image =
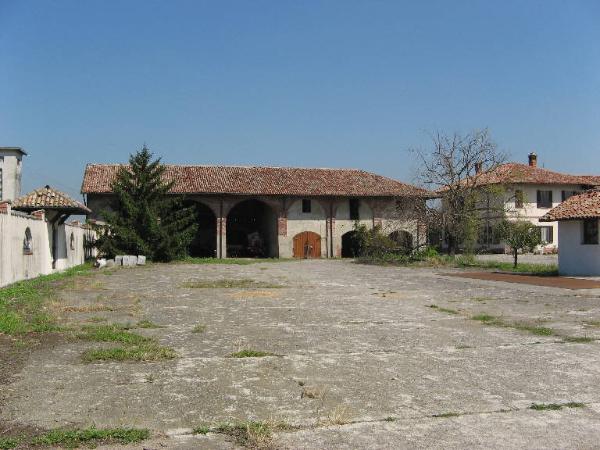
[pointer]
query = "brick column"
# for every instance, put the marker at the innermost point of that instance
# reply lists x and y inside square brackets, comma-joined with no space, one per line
[282,226]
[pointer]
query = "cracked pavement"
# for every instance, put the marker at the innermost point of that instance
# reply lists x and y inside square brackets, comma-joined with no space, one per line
[364,338]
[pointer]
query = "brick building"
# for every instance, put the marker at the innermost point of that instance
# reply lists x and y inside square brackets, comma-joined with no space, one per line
[279,212]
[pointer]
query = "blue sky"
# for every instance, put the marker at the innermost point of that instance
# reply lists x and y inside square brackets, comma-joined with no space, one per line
[295,83]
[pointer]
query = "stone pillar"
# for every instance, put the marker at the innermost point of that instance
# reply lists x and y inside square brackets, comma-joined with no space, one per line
[330,224]
[221,237]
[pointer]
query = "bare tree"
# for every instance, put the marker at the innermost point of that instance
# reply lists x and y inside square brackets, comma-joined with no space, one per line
[454,168]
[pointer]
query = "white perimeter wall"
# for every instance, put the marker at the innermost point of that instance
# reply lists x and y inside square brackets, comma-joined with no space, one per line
[575,258]
[16,265]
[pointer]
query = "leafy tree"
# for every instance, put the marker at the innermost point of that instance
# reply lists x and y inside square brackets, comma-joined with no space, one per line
[519,235]
[145,219]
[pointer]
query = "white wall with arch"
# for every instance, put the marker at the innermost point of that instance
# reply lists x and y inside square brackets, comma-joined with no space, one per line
[26,246]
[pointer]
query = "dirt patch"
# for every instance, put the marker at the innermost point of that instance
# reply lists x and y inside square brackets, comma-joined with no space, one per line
[559,282]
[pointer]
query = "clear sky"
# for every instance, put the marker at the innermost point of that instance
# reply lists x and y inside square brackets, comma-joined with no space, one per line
[295,83]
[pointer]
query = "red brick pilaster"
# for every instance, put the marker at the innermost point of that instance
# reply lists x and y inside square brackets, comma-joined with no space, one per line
[282,226]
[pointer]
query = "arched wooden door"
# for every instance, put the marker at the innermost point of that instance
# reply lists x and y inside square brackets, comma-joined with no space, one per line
[307,245]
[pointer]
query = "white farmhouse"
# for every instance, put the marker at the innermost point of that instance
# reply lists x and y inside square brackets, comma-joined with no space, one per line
[578,220]
[529,192]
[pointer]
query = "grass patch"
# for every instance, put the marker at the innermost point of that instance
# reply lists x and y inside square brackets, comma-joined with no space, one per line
[251,354]
[485,318]
[135,347]
[199,328]
[73,438]
[538,331]
[390,419]
[202,429]
[242,283]
[9,443]
[446,415]
[432,259]
[466,261]
[555,406]
[112,333]
[147,324]
[251,434]
[578,339]
[498,322]
[22,307]
[142,353]
[444,310]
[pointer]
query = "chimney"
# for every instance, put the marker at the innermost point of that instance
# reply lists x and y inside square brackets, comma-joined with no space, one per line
[532,159]
[478,167]
[10,171]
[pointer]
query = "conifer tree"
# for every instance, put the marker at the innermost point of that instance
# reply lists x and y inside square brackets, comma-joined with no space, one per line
[145,219]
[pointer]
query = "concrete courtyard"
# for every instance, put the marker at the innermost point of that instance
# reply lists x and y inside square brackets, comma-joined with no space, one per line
[362,357]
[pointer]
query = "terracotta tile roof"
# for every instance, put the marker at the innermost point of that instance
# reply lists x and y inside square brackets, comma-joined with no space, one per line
[582,206]
[48,198]
[262,181]
[516,173]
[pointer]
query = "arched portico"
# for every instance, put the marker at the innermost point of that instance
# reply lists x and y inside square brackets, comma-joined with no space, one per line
[252,230]
[204,243]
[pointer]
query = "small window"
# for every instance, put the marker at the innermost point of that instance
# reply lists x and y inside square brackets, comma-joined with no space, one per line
[567,194]
[72,242]
[28,243]
[544,199]
[519,198]
[590,231]
[306,206]
[354,209]
[547,234]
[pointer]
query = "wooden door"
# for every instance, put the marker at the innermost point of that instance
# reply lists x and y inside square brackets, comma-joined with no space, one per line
[307,245]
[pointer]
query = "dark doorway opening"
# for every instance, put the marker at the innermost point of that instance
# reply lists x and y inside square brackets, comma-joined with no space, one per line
[204,244]
[350,245]
[252,231]
[403,240]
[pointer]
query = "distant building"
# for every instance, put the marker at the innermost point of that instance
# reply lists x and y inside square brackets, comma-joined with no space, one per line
[529,192]
[10,172]
[578,223]
[280,212]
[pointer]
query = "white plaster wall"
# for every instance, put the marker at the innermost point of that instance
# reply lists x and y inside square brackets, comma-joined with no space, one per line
[67,256]
[298,222]
[575,258]
[344,224]
[15,265]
